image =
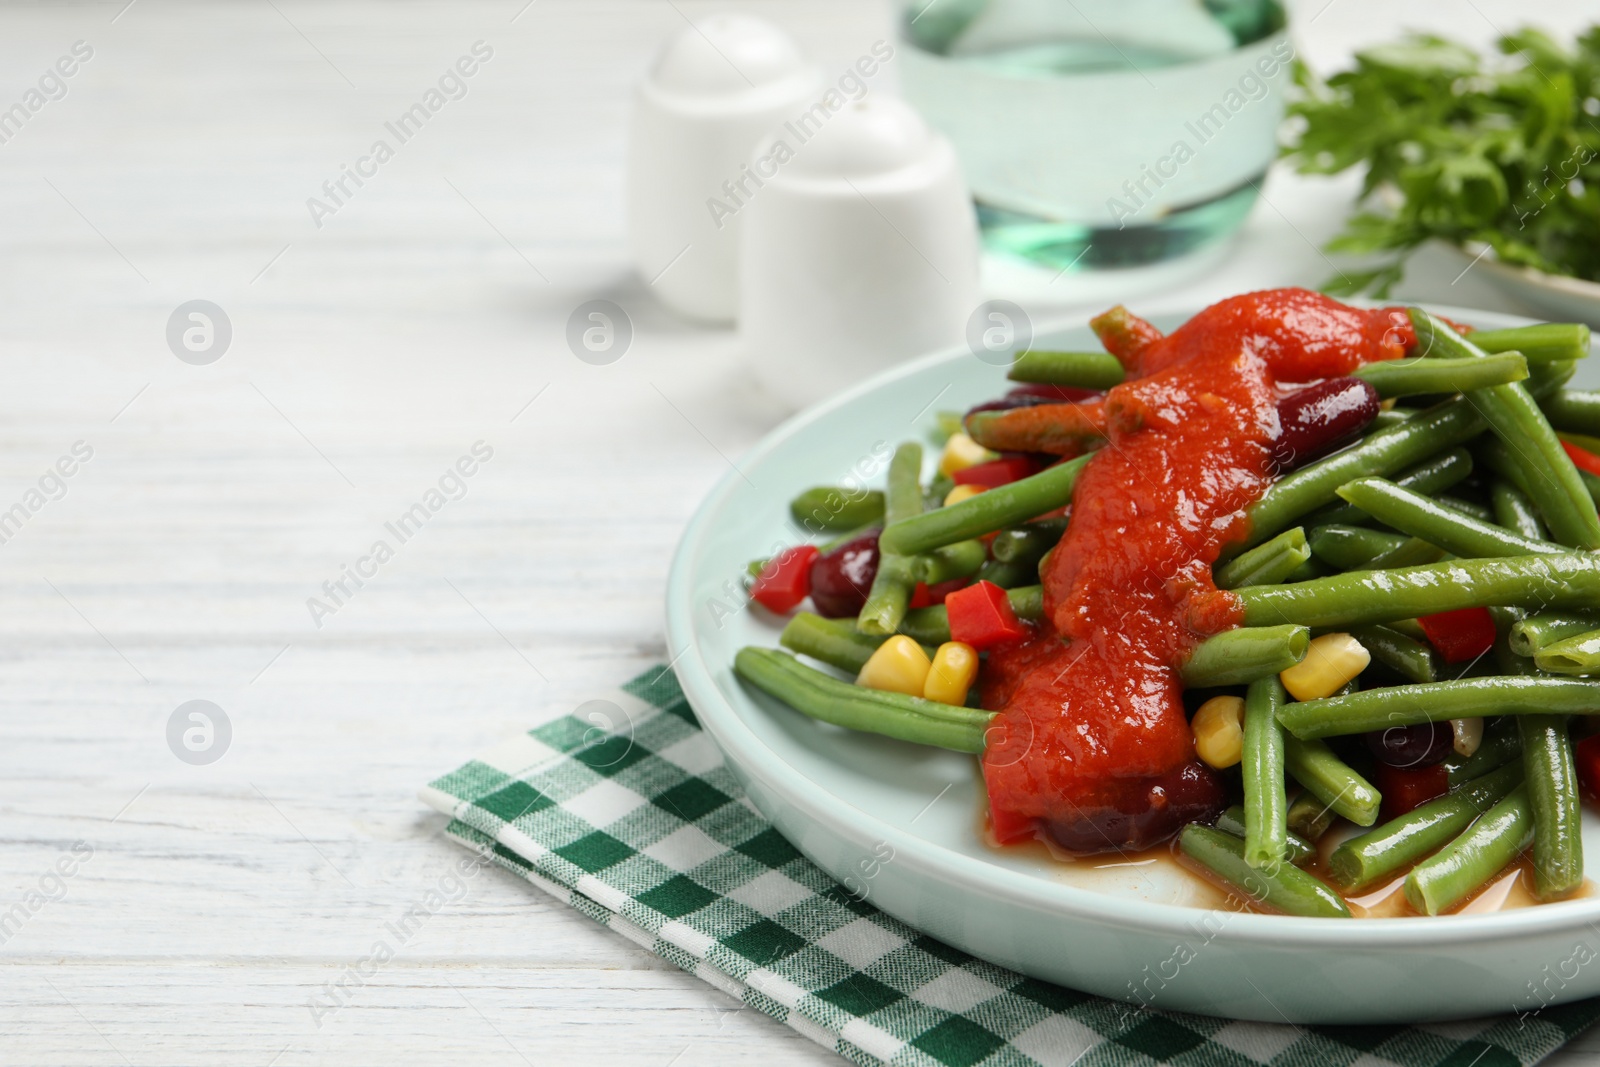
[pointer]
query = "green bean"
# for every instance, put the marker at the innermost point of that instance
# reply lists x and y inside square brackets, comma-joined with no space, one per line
[1310,817]
[996,509]
[1237,657]
[1029,542]
[1063,429]
[890,595]
[1007,575]
[1570,580]
[904,498]
[1412,552]
[1377,854]
[1481,852]
[931,626]
[1284,887]
[1501,744]
[1573,410]
[1429,478]
[1330,780]
[1412,660]
[1546,379]
[1470,508]
[835,642]
[1308,570]
[1463,698]
[1514,511]
[855,707]
[1552,784]
[1544,342]
[1044,563]
[1351,548]
[1297,850]
[1229,658]
[960,560]
[1552,481]
[1591,483]
[1267,563]
[1266,803]
[946,424]
[1450,530]
[891,587]
[1409,628]
[1086,370]
[827,508]
[1535,633]
[1392,417]
[1359,549]
[1574,655]
[1416,377]
[1443,426]
[1492,453]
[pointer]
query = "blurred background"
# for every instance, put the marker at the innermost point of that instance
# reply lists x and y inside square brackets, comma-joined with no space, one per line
[253,374]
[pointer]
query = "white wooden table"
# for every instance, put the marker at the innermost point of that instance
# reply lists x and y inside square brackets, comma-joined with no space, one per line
[426,314]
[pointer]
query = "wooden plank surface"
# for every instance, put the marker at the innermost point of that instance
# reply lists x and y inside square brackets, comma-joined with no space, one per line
[368,355]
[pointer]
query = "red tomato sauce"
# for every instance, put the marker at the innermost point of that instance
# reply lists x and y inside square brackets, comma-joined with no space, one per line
[1091,745]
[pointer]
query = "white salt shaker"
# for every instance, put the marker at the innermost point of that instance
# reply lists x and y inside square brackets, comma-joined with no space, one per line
[861,249]
[716,88]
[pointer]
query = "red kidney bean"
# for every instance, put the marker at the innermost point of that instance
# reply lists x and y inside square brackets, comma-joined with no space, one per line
[1026,396]
[1421,745]
[1319,418]
[841,579]
[1149,813]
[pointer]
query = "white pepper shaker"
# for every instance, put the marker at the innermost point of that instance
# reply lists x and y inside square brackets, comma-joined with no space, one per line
[716,88]
[860,251]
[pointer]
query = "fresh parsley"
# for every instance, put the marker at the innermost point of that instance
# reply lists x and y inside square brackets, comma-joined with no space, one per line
[1464,148]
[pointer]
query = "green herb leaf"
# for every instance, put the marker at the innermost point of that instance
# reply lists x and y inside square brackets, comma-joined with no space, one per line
[1502,150]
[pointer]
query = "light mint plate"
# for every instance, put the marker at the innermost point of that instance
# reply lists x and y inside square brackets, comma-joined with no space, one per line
[901,824]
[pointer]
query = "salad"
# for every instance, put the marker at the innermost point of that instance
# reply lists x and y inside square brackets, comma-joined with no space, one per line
[1307,590]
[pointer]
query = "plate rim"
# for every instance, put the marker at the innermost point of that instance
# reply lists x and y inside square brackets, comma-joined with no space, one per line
[723,721]
[1569,284]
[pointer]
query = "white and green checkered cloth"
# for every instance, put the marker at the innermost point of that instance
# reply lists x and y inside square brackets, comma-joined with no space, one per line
[640,826]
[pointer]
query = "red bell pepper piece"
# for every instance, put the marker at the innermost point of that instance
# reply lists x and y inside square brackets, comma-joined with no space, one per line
[785,580]
[924,595]
[981,616]
[996,472]
[1460,635]
[1405,789]
[1587,756]
[1582,458]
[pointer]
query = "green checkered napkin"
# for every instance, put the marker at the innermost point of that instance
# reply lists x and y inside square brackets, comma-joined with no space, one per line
[640,826]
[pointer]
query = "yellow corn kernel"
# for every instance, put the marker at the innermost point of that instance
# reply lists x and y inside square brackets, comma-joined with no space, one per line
[960,493]
[961,452]
[898,666]
[955,668]
[1219,731]
[1330,663]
